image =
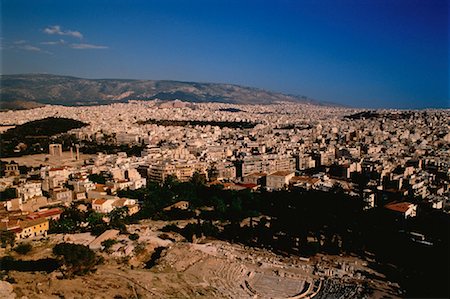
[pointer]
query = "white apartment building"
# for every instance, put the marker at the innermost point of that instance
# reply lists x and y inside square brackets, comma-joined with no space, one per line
[29,189]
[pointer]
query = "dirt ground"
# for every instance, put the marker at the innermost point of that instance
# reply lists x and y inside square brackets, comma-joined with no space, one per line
[213,269]
[44,159]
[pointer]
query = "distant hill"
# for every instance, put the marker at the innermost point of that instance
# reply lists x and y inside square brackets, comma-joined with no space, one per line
[65,90]
[19,105]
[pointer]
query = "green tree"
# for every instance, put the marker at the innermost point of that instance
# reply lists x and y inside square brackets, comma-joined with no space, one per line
[7,238]
[96,225]
[94,218]
[8,194]
[78,259]
[118,218]
[70,221]
[235,210]
[198,179]
[97,178]
[170,182]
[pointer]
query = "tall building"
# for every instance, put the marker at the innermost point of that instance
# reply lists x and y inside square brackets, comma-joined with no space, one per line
[267,163]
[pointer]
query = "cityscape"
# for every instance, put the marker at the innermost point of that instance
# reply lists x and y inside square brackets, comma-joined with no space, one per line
[177,188]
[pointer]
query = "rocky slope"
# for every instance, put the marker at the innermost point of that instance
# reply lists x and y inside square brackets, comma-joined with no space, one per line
[64,90]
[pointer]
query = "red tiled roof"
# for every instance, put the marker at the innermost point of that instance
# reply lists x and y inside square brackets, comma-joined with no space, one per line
[16,230]
[99,201]
[401,207]
[228,184]
[32,222]
[248,186]
[119,203]
[281,173]
[44,214]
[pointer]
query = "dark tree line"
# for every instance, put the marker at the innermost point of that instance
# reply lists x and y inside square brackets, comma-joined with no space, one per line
[34,137]
[73,220]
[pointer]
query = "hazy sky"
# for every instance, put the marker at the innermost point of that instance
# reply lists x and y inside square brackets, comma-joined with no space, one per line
[363,53]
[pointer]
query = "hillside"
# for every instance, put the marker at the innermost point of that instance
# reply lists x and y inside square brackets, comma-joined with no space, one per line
[64,90]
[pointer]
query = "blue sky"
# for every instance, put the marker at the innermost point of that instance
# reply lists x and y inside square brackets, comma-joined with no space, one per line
[362,53]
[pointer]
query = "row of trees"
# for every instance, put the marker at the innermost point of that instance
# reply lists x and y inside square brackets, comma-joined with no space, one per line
[74,220]
[226,205]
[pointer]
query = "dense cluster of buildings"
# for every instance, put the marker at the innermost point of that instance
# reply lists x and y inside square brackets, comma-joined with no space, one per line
[42,193]
[390,158]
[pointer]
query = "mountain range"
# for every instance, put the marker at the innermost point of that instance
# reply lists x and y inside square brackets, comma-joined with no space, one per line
[26,91]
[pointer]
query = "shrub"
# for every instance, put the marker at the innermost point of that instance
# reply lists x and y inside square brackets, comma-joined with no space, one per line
[133,237]
[170,228]
[23,248]
[140,248]
[107,244]
[48,265]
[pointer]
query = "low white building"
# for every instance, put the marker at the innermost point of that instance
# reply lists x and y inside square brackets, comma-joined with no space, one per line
[62,194]
[279,180]
[139,183]
[106,205]
[102,205]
